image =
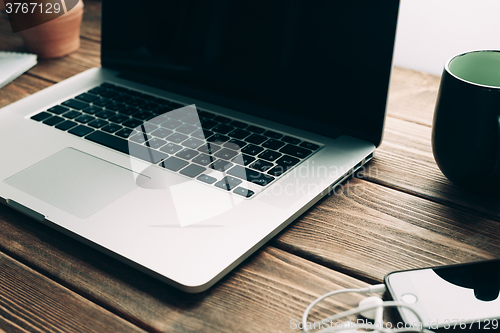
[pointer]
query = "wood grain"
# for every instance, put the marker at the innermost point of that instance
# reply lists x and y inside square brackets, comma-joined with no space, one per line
[367,231]
[30,302]
[405,162]
[262,295]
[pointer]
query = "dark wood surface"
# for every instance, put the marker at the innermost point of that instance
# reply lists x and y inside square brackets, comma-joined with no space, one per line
[400,213]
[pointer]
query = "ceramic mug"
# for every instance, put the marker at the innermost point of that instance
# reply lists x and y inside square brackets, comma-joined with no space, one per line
[466,128]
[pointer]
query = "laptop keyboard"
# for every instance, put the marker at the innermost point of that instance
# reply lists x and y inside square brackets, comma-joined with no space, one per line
[179,138]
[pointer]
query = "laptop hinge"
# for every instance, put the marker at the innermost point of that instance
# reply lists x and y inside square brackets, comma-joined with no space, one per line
[25,210]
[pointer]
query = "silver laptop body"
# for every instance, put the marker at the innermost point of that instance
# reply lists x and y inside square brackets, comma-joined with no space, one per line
[174,227]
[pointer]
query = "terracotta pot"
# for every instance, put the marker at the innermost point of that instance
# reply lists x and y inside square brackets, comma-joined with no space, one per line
[55,38]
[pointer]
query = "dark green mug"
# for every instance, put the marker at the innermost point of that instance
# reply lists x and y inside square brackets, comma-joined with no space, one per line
[466,128]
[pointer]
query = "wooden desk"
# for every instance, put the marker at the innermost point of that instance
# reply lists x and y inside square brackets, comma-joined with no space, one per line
[401,214]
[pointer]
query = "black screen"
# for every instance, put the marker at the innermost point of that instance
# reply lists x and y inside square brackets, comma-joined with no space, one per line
[314,64]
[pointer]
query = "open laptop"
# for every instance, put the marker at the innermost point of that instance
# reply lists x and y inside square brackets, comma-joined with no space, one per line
[209,128]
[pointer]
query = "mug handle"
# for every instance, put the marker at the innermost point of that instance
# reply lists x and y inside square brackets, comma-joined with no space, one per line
[496,170]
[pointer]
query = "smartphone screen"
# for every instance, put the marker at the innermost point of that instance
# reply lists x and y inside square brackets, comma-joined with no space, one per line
[447,295]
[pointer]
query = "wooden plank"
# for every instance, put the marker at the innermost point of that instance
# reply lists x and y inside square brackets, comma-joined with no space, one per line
[367,231]
[30,302]
[404,161]
[91,28]
[262,295]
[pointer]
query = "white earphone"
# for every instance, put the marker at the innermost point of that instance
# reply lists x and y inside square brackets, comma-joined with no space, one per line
[370,308]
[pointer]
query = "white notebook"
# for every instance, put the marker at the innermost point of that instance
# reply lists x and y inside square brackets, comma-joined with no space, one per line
[13,64]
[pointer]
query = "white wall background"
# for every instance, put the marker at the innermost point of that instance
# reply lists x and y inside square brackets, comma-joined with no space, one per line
[432,31]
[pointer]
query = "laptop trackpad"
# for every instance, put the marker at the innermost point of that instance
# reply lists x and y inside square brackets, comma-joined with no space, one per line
[76,182]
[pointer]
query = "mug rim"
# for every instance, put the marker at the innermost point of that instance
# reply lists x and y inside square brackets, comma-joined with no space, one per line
[447,68]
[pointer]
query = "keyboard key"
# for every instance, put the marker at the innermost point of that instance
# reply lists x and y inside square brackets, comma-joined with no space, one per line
[208,124]
[173,163]
[73,103]
[226,154]
[119,118]
[58,109]
[255,129]
[105,114]
[256,139]
[109,94]
[116,106]
[170,148]
[277,170]
[289,139]
[235,144]
[87,97]
[155,143]
[131,123]
[53,120]
[270,155]
[221,165]
[250,175]
[295,151]
[209,148]
[111,128]
[187,153]
[72,114]
[252,150]
[239,134]
[192,170]
[203,159]
[309,145]
[66,125]
[238,124]
[143,115]
[202,134]
[92,109]
[223,129]
[84,119]
[128,111]
[273,135]
[147,128]
[193,143]
[207,179]
[287,161]
[158,120]
[218,138]
[243,159]
[109,141]
[186,129]
[261,165]
[243,192]
[125,132]
[273,144]
[177,137]
[98,123]
[80,130]
[41,116]
[103,102]
[192,119]
[228,183]
[97,90]
[171,124]
[161,132]
[140,138]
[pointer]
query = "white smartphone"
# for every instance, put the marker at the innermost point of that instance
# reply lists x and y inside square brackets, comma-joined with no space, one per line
[463,296]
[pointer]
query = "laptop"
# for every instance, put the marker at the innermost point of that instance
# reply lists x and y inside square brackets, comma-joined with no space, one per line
[210,127]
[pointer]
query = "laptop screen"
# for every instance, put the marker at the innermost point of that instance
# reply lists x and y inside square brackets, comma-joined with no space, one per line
[319,65]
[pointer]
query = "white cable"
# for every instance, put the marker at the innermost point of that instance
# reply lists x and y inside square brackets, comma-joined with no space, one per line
[371,289]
